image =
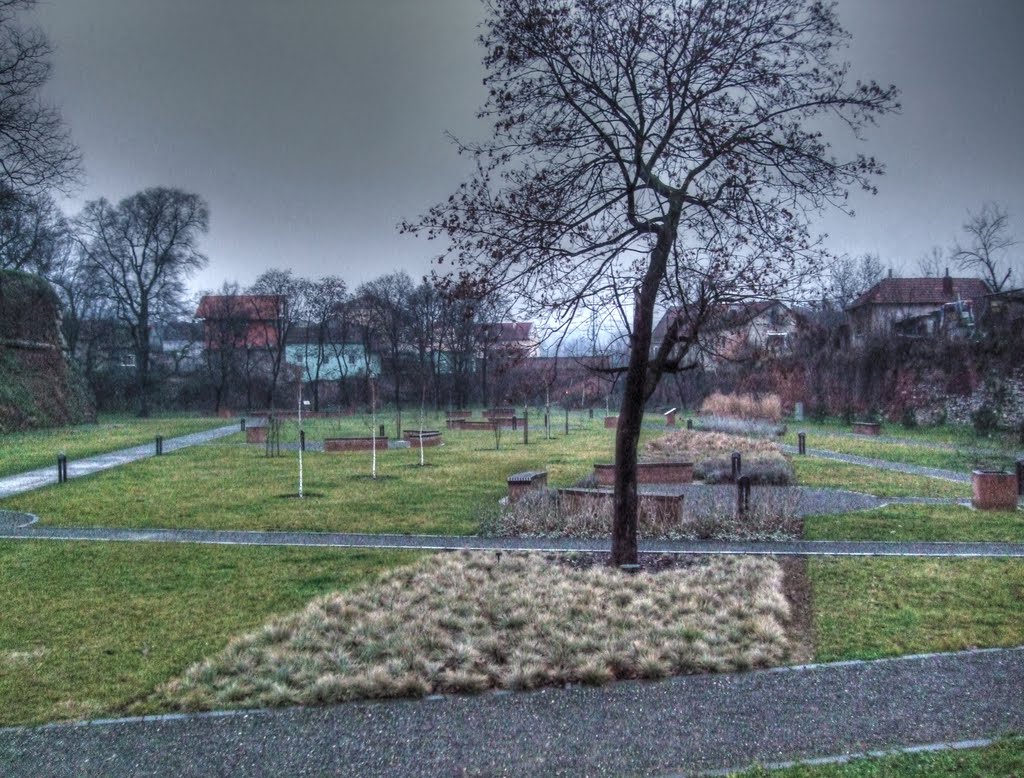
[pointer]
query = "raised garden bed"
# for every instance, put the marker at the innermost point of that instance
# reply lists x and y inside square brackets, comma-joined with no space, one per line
[503,412]
[255,434]
[573,500]
[520,484]
[649,473]
[611,422]
[490,424]
[994,490]
[354,444]
[867,428]
[424,437]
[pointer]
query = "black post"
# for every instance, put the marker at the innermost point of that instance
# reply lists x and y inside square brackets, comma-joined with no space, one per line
[526,427]
[566,421]
[243,424]
[302,440]
[514,422]
[801,442]
[689,424]
[381,433]
[735,465]
[62,468]
[1020,477]
[743,495]
[159,445]
[591,412]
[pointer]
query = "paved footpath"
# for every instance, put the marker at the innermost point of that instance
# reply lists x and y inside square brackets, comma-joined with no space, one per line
[44,476]
[13,526]
[883,464]
[681,726]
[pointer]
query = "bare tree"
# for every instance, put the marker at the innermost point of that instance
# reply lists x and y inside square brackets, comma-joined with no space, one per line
[933,264]
[226,321]
[324,302]
[141,251]
[987,240]
[650,152]
[849,278]
[34,234]
[385,307]
[36,152]
[288,294]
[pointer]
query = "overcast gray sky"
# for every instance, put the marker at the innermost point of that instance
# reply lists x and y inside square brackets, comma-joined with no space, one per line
[313,126]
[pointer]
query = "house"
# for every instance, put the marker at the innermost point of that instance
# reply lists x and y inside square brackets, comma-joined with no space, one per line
[738,331]
[894,300]
[511,340]
[243,320]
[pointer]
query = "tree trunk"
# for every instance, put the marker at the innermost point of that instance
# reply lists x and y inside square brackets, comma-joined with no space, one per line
[634,398]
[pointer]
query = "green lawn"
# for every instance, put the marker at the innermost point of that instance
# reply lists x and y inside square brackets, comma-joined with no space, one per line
[919,522]
[959,456]
[876,607]
[813,471]
[21,451]
[229,485]
[89,628]
[1002,759]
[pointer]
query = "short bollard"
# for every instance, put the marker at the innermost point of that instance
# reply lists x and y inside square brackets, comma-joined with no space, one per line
[689,424]
[159,445]
[566,421]
[381,433]
[736,465]
[243,424]
[62,468]
[801,442]
[590,413]
[1020,477]
[526,427]
[743,495]
[514,423]
[302,440]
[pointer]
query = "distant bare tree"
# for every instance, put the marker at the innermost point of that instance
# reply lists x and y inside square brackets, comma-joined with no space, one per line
[385,307]
[988,239]
[224,339]
[934,263]
[849,278]
[290,291]
[34,234]
[36,151]
[324,302]
[142,250]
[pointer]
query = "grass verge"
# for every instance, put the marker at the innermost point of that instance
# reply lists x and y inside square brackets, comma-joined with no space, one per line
[876,607]
[468,622]
[90,627]
[813,471]
[22,451]
[1004,758]
[919,522]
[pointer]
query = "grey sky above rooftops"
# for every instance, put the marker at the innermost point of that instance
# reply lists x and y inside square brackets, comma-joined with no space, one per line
[312,127]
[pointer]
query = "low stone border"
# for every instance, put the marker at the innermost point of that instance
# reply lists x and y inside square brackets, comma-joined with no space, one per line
[426,438]
[651,504]
[519,484]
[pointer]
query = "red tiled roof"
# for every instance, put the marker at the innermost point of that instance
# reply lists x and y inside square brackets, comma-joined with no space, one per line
[921,291]
[255,307]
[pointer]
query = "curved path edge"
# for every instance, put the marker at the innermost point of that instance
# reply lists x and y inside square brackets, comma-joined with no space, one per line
[685,725]
[547,545]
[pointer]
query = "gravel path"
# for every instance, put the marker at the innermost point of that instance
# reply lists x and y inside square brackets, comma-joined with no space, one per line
[555,545]
[44,476]
[683,725]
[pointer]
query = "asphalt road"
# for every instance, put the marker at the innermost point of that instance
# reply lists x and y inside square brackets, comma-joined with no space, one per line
[682,726]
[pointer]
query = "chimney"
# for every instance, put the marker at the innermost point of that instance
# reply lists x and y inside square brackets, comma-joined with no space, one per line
[947,284]
[890,272]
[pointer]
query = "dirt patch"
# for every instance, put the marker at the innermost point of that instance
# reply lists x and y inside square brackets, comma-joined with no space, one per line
[796,586]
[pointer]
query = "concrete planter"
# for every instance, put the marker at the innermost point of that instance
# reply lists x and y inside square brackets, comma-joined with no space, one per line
[994,490]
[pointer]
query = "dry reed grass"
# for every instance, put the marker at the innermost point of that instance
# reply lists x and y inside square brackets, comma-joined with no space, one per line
[743,406]
[695,446]
[469,622]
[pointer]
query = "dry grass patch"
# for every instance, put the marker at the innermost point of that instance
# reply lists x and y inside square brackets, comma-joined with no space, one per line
[469,622]
[708,513]
[743,406]
[693,445]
